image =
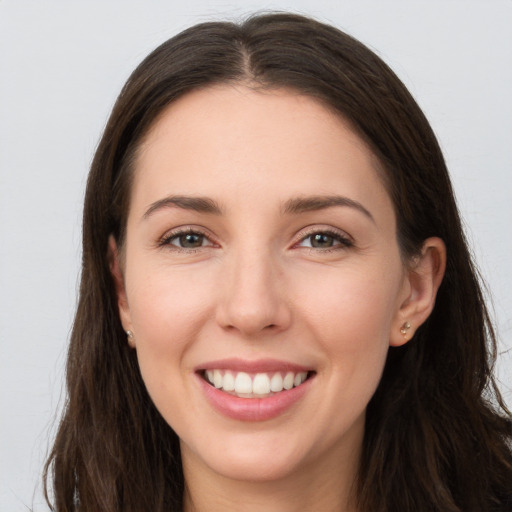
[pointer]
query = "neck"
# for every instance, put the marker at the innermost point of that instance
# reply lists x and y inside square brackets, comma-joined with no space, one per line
[326,485]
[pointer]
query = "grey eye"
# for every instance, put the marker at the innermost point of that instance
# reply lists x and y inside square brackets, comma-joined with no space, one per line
[321,240]
[189,240]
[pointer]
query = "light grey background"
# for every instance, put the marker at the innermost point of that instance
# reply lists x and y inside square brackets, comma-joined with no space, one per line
[61,66]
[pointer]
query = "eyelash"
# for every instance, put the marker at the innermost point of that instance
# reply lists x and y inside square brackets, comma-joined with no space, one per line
[344,241]
[167,239]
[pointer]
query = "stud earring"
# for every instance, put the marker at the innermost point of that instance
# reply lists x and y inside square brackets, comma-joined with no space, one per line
[129,335]
[405,328]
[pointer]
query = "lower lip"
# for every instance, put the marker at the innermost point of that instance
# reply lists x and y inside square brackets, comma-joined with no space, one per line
[253,409]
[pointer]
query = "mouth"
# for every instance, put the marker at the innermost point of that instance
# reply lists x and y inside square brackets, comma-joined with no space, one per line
[254,385]
[260,390]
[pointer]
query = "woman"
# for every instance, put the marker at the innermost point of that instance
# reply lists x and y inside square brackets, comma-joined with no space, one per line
[278,310]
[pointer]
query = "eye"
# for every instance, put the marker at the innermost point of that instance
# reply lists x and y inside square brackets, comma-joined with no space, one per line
[325,240]
[186,240]
[189,240]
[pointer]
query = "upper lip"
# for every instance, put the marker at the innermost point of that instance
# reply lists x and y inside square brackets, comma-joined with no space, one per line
[252,366]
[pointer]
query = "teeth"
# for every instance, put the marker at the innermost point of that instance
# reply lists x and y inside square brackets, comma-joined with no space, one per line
[261,384]
[243,383]
[217,379]
[276,383]
[229,382]
[288,380]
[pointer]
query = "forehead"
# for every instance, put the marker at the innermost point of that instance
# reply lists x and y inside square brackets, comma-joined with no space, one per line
[228,137]
[238,111]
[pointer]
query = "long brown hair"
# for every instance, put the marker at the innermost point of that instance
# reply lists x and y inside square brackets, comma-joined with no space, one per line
[437,435]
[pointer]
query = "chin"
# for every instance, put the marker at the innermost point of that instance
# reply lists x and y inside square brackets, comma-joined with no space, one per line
[255,470]
[253,459]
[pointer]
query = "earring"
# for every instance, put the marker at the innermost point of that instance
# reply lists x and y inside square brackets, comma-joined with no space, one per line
[129,335]
[405,328]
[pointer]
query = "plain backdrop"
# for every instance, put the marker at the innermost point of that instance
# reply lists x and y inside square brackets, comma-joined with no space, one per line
[62,64]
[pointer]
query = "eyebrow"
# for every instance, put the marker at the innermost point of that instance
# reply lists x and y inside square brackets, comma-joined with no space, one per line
[313,203]
[197,204]
[292,206]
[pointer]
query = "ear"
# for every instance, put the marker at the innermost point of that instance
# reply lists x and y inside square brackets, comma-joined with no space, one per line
[117,275]
[423,278]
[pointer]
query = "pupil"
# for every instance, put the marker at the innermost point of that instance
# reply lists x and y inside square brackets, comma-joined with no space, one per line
[321,240]
[190,240]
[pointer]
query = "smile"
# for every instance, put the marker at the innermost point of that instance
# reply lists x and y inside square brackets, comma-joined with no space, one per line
[254,390]
[255,385]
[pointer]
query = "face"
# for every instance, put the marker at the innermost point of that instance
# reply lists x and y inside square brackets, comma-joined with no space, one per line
[262,280]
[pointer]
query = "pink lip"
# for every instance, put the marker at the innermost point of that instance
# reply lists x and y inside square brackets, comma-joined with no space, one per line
[252,409]
[260,365]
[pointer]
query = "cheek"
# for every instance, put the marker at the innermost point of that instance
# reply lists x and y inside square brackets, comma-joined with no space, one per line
[164,303]
[167,314]
[167,309]
[358,341]
[355,307]
[350,317]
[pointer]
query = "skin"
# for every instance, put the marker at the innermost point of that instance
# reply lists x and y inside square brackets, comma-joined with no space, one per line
[254,287]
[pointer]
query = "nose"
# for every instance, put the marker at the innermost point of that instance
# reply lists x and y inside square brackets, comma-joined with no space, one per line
[253,295]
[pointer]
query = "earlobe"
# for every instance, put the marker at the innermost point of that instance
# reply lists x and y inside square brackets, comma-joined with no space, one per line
[424,277]
[117,275]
